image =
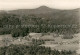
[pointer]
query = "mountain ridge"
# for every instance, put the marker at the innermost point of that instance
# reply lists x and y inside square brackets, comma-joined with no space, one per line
[60,16]
[38,10]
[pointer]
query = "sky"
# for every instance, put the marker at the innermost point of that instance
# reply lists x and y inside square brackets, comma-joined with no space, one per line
[30,4]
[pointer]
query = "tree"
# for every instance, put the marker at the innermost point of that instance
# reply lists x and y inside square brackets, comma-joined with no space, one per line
[24,32]
[15,33]
[20,32]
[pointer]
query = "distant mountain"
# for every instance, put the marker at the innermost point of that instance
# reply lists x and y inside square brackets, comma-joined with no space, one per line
[40,10]
[58,16]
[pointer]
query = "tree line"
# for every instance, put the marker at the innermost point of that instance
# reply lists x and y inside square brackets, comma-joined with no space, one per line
[37,25]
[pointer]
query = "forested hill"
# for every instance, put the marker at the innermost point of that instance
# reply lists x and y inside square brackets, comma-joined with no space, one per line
[63,16]
[41,16]
[57,16]
[39,10]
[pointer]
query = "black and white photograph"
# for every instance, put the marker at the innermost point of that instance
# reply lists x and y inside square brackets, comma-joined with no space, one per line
[39,27]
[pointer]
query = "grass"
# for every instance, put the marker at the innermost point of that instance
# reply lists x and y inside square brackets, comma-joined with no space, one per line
[72,46]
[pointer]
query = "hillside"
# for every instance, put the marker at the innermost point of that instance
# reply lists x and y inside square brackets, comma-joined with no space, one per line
[39,10]
[58,16]
[42,15]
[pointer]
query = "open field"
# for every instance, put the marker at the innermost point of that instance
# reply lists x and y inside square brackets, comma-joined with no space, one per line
[68,44]
[58,43]
[71,47]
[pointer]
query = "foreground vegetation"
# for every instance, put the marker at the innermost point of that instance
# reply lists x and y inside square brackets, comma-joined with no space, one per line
[31,50]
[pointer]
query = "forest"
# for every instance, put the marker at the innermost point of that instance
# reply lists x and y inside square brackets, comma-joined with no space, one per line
[12,22]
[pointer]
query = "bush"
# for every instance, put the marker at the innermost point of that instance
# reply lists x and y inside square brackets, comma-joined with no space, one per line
[20,32]
[67,37]
[4,31]
[24,32]
[15,33]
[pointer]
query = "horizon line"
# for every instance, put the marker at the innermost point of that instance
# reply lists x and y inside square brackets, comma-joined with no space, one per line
[37,8]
